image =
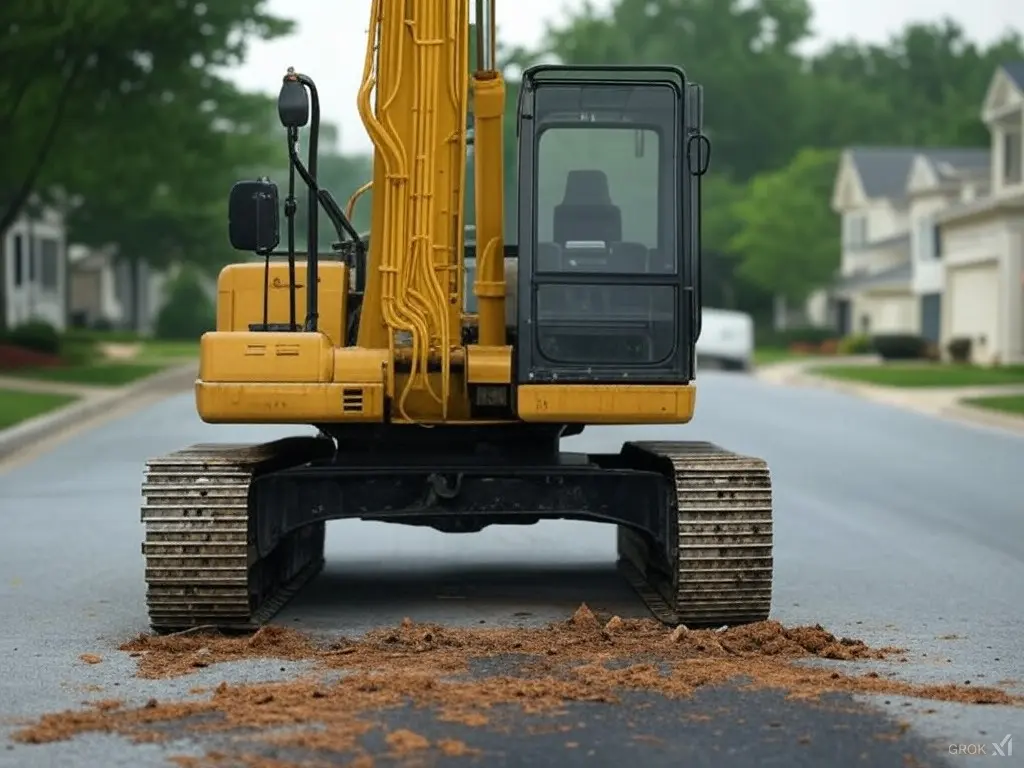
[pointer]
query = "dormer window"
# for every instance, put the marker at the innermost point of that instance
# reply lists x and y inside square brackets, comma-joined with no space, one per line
[1013,148]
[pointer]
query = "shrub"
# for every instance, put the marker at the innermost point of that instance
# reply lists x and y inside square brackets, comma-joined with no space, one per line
[188,312]
[899,346]
[829,347]
[857,344]
[35,335]
[94,334]
[959,349]
[803,348]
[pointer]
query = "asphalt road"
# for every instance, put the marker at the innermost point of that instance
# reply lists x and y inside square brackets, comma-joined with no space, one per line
[891,527]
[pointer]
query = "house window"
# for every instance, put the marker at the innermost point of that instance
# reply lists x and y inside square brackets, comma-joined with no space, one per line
[1012,149]
[856,234]
[19,261]
[936,242]
[49,263]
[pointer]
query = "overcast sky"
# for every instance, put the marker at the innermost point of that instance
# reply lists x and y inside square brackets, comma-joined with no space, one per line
[330,42]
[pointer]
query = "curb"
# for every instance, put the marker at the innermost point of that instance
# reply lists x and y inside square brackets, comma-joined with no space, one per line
[963,414]
[32,431]
[1005,421]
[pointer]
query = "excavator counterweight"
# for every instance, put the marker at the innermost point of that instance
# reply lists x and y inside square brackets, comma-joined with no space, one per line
[442,363]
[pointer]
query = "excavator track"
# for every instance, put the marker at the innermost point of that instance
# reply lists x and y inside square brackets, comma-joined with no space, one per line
[201,563]
[719,570]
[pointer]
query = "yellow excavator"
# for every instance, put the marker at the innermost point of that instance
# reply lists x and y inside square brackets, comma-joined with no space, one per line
[439,366]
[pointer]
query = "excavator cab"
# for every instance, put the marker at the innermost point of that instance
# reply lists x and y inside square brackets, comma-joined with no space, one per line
[610,161]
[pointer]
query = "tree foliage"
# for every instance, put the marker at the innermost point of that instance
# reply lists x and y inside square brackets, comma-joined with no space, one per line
[776,118]
[123,115]
[785,234]
[123,118]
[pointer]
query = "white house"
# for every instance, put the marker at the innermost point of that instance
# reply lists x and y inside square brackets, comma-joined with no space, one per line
[111,292]
[981,239]
[36,270]
[64,285]
[891,279]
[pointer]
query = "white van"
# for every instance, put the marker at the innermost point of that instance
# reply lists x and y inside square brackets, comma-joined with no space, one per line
[726,339]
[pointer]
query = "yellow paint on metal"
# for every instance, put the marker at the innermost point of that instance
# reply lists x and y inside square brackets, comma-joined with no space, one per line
[413,103]
[252,357]
[240,296]
[488,365]
[489,183]
[280,403]
[606,404]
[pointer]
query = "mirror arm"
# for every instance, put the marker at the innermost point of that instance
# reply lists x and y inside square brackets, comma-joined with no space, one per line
[291,111]
[341,223]
[290,208]
[313,238]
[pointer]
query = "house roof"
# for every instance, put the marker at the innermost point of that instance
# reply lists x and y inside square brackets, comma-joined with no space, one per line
[982,205]
[953,163]
[1015,71]
[897,277]
[887,242]
[883,171]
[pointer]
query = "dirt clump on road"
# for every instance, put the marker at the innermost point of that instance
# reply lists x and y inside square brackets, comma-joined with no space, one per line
[539,671]
[176,655]
[418,646]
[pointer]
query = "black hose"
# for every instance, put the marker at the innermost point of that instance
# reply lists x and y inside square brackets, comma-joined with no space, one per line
[289,212]
[312,273]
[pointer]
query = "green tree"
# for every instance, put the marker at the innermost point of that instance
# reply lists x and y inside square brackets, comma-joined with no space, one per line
[788,237]
[718,227]
[766,104]
[922,88]
[120,117]
[744,53]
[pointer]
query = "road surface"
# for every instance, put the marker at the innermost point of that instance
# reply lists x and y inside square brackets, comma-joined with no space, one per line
[891,527]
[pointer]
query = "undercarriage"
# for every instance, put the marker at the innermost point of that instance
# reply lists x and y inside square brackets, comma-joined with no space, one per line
[233,531]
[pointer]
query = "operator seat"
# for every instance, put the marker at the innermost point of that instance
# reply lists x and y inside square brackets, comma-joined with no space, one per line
[586,211]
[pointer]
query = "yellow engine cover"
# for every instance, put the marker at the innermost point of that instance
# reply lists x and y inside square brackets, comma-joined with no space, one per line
[240,296]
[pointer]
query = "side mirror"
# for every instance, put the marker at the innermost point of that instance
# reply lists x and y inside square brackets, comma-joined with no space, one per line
[293,103]
[253,212]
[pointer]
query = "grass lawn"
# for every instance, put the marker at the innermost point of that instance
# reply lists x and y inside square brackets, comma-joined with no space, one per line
[89,341]
[769,355]
[93,373]
[1003,403]
[85,362]
[16,407]
[170,350]
[925,375]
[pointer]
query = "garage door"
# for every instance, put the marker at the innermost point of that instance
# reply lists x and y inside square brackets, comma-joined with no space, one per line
[974,305]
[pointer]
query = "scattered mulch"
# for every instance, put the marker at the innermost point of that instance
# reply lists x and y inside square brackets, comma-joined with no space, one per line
[90,658]
[425,665]
[404,742]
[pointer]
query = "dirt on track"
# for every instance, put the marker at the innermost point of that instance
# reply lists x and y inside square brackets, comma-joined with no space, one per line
[582,659]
